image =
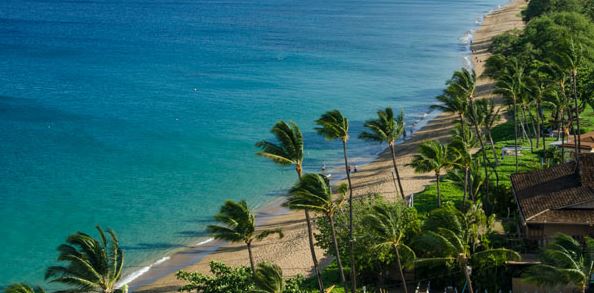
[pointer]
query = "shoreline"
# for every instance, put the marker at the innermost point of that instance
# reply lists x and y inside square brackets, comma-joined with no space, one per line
[292,252]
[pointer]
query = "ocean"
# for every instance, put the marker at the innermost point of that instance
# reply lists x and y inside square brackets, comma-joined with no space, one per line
[142,116]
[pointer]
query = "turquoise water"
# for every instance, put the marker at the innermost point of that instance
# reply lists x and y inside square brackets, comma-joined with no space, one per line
[142,115]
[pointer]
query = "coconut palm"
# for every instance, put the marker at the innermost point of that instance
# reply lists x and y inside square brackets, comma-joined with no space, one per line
[463,141]
[434,157]
[90,265]
[452,101]
[391,224]
[511,86]
[333,125]
[268,278]
[386,129]
[238,224]
[23,288]
[564,261]
[464,81]
[453,248]
[569,60]
[313,193]
[287,151]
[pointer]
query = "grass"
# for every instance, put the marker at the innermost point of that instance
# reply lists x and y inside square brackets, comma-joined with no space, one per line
[503,135]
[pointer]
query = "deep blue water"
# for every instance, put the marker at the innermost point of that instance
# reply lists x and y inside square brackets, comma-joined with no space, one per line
[142,115]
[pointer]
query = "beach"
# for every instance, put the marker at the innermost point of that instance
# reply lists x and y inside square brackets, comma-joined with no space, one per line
[292,253]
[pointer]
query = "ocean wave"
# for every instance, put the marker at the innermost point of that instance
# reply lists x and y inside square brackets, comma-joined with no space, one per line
[136,274]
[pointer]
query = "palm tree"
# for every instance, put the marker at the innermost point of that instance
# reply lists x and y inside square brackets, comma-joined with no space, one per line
[268,278]
[452,102]
[492,116]
[313,193]
[387,129]
[391,223]
[238,224]
[434,157]
[333,125]
[91,265]
[286,152]
[455,248]
[511,86]
[564,261]
[23,288]
[462,143]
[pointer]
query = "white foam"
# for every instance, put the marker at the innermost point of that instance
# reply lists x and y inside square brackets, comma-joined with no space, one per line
[205,241]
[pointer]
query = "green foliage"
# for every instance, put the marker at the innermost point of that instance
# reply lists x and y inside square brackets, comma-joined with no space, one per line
[268,278]
[333,125]
[23,288]
[223,279]
[564,261]
[444,217]
[91,265]
[289,147]
[386,128]
[539,7]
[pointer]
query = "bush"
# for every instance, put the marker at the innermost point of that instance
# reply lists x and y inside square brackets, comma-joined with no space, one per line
[224,279]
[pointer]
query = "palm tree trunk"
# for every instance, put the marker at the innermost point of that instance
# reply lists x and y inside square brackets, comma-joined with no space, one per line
[313,252]
[524,124]
[484,151]
[465,185]
[351,239]
[400,269]
[577,117]
[438,191]
[337,251]
[516,133]
[467,276]
[310,237]
[396,169]
[495,155]
[252,265]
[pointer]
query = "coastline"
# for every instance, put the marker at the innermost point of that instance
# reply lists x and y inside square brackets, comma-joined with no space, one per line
[292,253]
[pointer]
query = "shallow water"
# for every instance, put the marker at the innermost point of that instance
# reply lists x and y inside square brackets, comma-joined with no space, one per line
[142,115]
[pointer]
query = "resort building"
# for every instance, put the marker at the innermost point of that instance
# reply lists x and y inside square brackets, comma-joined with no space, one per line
[586,143]
[556,200]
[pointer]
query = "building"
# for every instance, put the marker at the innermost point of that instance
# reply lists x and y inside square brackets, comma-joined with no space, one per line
[556,200]
[586,143]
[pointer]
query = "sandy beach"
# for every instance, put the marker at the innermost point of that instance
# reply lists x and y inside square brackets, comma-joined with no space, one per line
[292,253]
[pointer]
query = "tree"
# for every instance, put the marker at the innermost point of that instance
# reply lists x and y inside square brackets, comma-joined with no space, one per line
[238,224]
[462,143]
[286,152]
[23,288]
[333,125]
[268,278]
[510,85]
[387,129]
[91,265]
[564,261]
[448,246]
[313,193]
[391,223]
[434,157]
[222,279]
[453,102]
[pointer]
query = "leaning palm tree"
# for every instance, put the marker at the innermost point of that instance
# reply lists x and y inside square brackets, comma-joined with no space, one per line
[387,129]
[287,151]
[391,223]
[462,143]
[564,261]
[238,224]
[511,85]
[453,102]
[23,288]
[313,193]
[268,278]
[90,265]
[453,248]
[333,125]
[434,157]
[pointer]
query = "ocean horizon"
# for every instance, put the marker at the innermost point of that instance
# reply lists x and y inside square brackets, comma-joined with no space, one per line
[142,116]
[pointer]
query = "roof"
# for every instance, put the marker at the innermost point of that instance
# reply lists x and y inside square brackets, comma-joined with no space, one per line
[558,194]
[586,141]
